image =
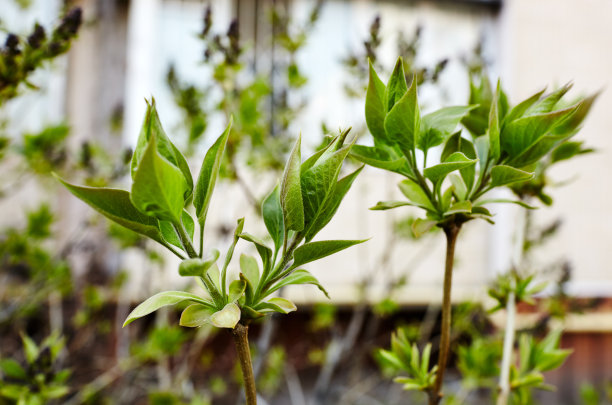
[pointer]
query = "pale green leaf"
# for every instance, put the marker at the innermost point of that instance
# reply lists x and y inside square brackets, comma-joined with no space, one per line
[250,269]
[415,194]
[169,234]
[461,207]
[163,299]
[197,267]
[208,175]
[456,161]
[195,315]
[389,205]
[277,304]
[228,317]
[422,226]
[297,277]
[236,289]
[502,200]
[264,251]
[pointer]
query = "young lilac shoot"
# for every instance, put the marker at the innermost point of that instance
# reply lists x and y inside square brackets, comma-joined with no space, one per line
[161,204]
[503,149]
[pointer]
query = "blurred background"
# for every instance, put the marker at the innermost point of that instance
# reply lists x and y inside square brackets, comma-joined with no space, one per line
[281,68]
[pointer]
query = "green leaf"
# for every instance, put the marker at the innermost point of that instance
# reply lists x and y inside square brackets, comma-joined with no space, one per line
[422,226]
[519,110]
[169,234]
[454,162]
[375,108]
[208,175]
[570,125]
[482,152]
[477,120]
[236,289]
[461,207]
[547,103]
[291,192]
[10,368]
[535,152]
[389,205]
[228,317]
[502,200]
[163,299]
[459,187]
[248,266]
[159,186]
[117,206]
[518,135]
[272,214]
[568,150]
[458,144]
[502,175]
[277,304]
[264,251]
[403,121]
[397,87]
[318,184]
[197,267]
[312,251]
[330,205]
[380,158]
[415,194]
[437,126]
[230,253]
[152,128]
[195,315]
[494,125]
[297,277]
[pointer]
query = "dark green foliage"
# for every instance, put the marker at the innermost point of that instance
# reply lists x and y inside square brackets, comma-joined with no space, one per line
[19,57]
[38,382]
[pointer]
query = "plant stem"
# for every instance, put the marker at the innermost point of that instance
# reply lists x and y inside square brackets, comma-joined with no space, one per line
[241,340]
[451,231]
[185,240]
[504,377]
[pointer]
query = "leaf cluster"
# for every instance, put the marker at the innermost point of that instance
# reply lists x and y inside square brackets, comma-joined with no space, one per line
[478,362]
[534,359]
[38,382]
[158,207]
[524,288]
[548,146]
[19,57]
[405,357]
[505,145]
